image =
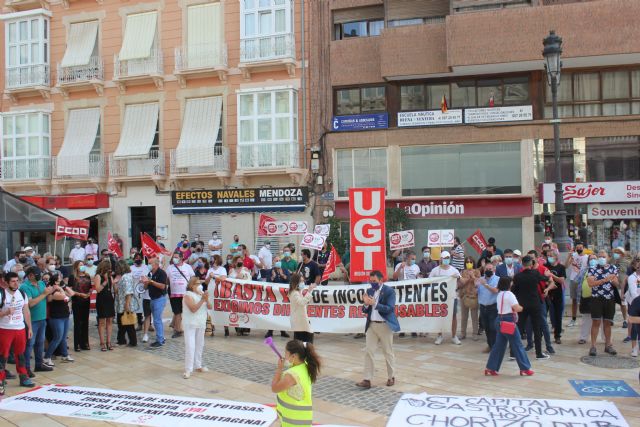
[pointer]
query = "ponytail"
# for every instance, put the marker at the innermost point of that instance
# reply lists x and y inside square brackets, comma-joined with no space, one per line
[307,353]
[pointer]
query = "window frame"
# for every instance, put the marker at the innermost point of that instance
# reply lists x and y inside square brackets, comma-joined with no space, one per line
[353,168]
[273,115]
[256,11]
[44,146]
[42,44]
[338,28]
[361,90]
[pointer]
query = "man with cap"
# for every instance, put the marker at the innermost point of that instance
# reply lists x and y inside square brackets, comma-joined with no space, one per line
[30,260]
[446,270]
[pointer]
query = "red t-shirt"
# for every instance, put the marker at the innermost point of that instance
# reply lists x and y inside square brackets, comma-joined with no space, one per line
[543,284]
[248,263]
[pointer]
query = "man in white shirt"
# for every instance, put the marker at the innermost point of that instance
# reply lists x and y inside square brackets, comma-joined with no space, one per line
[576,265]
[139,270]
[215,244]
[91,248]
[77,253]
[179,274]
[446,270]
[407,270]
[266,260]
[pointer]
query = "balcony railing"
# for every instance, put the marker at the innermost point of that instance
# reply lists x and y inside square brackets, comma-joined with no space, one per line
[267,48]
[201,57]
[26,169]
[153,165]
[79,167]
[214,160]
[268,155]
[151,65]
[94,70]
[27,76]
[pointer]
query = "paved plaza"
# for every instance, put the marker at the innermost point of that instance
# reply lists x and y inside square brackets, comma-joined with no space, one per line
[242,368]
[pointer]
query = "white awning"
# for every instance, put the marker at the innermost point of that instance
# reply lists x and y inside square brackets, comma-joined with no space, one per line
[82,128]
[139,35]
[138,131]
[80,44]
[204,35]
[199,132]
[79,213]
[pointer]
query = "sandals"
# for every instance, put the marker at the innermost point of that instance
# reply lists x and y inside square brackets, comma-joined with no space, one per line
[103,347]
[109,346]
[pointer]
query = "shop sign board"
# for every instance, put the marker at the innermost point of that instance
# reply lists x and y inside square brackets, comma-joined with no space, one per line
[429,118]
[594,192]
[292,199]
[613,211]
[361,122]
[498,114]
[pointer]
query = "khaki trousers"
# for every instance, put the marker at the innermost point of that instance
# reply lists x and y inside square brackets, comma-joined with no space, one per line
[379,333]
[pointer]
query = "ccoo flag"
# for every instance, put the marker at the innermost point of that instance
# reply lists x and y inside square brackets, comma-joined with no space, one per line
[332,263]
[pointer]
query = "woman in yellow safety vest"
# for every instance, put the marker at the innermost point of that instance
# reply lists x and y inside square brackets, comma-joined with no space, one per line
[294,403]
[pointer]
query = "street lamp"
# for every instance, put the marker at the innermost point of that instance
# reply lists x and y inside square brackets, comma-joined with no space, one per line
[553,65]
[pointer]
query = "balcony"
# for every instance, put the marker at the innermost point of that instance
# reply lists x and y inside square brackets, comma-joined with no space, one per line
[92,168]
[268,53]
[26,172]
[216,161]
[19,5]
[139,71]
[152,167]
[81,77]
[201,61]
[270,158]
[27,80]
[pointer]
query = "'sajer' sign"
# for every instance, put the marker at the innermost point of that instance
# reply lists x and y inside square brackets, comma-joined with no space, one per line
[368,245]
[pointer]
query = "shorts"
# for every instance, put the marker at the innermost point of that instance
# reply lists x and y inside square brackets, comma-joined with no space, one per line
[574,289]
[176,305]
[603,309]
[146,307]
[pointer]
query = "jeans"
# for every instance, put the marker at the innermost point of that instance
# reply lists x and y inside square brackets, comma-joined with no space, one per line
[556,310]
[532,313]
[500,347]
[36,343]
[157,308]
[544,327]
[488,315]
[60,328]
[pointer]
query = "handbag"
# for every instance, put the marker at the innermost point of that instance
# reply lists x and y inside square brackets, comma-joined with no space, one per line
[128,319]
[507,328]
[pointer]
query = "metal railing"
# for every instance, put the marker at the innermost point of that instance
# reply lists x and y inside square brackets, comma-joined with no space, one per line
[264,48]
[201,56]
[268,155]
[213,160]
[25,169]
[139,66]
[27,76]
[94,70]
[153,165]
[78,167]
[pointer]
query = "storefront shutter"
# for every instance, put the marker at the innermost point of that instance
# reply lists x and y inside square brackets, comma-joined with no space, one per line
[204,225]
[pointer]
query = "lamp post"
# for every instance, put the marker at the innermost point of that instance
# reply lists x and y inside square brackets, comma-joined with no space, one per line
[553,65]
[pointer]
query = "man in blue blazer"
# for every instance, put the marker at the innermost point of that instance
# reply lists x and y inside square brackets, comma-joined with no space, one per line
[509,267]
[380,307]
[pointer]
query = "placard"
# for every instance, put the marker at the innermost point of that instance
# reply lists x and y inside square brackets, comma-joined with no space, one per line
[402,240]
[429,118]
[367,231]
[313,241]
[322,229]
[285,228]
[498,114]
[442,238]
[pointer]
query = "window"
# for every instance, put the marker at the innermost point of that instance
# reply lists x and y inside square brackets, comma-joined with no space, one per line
[361,167]
[26,146]
[359,29]
[596,93]
[360,100]
[204,35]
[27,52]
[461,169]
[201,132]
[466,93]
[81,142]
[615,158]
[139,137]
[266,29]
[268,116]
[566,161]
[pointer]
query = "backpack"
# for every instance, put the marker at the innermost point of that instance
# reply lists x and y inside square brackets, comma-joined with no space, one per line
[2,296]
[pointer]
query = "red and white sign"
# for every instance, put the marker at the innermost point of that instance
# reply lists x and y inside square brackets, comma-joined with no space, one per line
[440,238]
[76,229]
[262,224]
[402,240]
[313,241]
[594,192]
[150,248]
[367,230]
[477,241]
[298,228]
[113,246]
[322,229]
[285,228]
[614,211]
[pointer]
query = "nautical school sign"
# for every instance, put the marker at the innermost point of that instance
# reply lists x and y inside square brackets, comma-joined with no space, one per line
[292,199]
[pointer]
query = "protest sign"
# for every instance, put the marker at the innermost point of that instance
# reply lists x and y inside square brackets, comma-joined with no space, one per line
[422,305]
[298,228]
[463,411]
[322,229]
[312,241]
[440,238]
[402,240]
[262,224]
[137,408]
[285,228]
[367,230]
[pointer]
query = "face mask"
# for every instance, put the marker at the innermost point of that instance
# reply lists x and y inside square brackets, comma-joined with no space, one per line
[278,264]
[287,254]
[176,260]
[593,263]
[215,236]
[602,261]
[551,260]
[616,256]
[548,241]
[375,285]
[236,240]
[199,288]
[90,262]
[508,260]
[426,255]
[488,273]
[239,265]
[412,261]
[21,275]
[579,251]
[229,260]
[198,249]
[287,364]
[82,268]
[52,267]
[267,246]
[22,259]
[137,262]
[77,246]
[199,265]
[469,266]
[446,261]
[185,245]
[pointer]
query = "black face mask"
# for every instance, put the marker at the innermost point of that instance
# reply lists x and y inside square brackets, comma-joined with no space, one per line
[137,261]
[236,240]
[239,265]
[37,277]
[22,259]
[184,245]
[579,251]
[488,273]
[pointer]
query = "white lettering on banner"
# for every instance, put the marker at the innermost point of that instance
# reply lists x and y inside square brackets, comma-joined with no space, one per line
[498,114]
[429,118]
[280,192]
[444,208]
[422,305]
[464,411]
[614,211]
[126,407]
[76,231]
[594,192]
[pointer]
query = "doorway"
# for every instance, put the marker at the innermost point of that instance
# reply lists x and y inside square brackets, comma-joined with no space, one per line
[143,220]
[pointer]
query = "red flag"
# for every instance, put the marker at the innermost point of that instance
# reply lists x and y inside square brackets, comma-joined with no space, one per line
[150,248]
[76,229]
[332,263]
[443,104]
[477,241]
[491,101]
[113,246]
[262,228]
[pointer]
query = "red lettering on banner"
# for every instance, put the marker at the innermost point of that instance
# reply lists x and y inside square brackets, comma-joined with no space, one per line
[572,193]
[368,245]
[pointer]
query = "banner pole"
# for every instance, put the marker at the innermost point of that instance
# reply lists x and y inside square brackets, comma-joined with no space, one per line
[64,248]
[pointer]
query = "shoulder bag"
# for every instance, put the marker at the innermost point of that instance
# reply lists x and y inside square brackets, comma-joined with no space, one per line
[128,319]
[506,328]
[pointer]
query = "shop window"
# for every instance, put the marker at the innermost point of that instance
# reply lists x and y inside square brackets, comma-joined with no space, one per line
[613,158]
[360,167]
[360,100]
[461,169]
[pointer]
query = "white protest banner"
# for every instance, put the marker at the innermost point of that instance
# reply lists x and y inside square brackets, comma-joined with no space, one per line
[402,240]
[322,229]
[444,238]
[298,228]
[285,228]
[457,411]
[313,241]
[422,305]
[126,407]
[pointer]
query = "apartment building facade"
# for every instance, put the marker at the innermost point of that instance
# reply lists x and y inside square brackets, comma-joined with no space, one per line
[445,103]
[165,117]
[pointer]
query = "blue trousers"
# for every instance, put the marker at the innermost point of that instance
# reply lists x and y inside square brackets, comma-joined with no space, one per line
[500,347]
[157,307]
[60,328]
[488,314]
[556,310]
[36,343]
[544,328]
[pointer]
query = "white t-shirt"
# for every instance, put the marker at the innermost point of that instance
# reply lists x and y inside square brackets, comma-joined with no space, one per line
[505,306]
[448,272]
[633,283]
[410,271]
[177,282]
[137,273]
[375,314]
[13,321]
[91,270]
[266,258]
[91,249]
[215,242]
[217,271]
[77,254]
[580,262]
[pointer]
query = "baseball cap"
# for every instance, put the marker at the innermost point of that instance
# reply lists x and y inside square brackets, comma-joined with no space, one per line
[517,252]
[445,254]
[28,248]
[619,249]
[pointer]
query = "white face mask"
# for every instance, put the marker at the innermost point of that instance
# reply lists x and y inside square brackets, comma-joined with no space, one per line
[21,275]
[199,288]
[77,245]
[52,267]
[267,246]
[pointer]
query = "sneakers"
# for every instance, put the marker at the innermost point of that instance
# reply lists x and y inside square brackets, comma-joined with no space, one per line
[156,344]
[558,341]
[176,335]
[550,350]
[528,348]
[456,340]
[627,339]
[609,349]
[43,368]
[571,324]
[8,375]
[25,381]
[67,359]
[48,362]
[625,325]
[511,358]
[543,356]
[3,383]
[30,373]
[145,338]
[203,369]
[186,375]
[593,352]
[582,341]
[439,340]
[634,352]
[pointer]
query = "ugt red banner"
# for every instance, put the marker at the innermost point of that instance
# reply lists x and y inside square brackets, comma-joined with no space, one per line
[368,245]
[76,229]
[477,241]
